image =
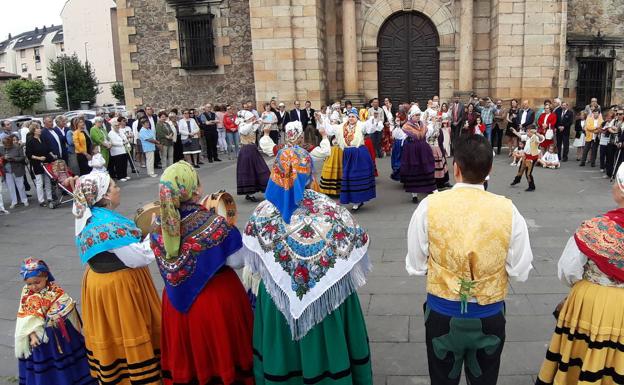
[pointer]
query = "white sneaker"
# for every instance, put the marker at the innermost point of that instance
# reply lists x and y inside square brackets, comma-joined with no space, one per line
[154,175]
[26,204]
[4,212]
[13,205]
[513,164]
[123,179]
[127,178]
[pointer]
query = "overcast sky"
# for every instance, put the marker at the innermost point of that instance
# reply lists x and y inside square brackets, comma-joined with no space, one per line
[24,15]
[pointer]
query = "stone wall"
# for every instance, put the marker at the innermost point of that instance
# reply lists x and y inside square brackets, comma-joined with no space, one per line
[151,62]
[585,20]
[6,108]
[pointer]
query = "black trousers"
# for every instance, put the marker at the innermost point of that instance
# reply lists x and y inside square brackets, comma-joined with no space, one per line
[603,156]
[274,135]
[473,343]
[455,132]
[563,143]
[497,137]
[178,150]
[212,138]
[593,147]
[118,166]
[611,153]
[83,164]
[376,139]
[157,158]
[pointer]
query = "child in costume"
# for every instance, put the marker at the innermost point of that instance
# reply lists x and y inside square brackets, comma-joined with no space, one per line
[532,154]
[48,343]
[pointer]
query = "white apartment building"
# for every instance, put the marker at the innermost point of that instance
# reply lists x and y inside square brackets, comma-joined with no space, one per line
[95,41]
[29,54]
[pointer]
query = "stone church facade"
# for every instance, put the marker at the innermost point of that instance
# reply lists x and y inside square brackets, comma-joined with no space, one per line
[186,53]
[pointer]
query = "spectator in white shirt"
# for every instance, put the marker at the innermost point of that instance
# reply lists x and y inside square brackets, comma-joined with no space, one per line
[550,159]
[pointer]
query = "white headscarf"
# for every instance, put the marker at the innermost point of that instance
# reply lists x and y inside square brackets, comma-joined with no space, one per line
[293,130]
[89,190]
[413,111]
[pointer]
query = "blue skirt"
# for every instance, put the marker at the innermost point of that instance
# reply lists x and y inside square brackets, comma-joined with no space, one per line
[417,166]
[395,160]
[358,176]
[49,365]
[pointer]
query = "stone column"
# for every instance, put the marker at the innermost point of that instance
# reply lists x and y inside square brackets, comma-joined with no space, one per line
[349,49]
[465,46]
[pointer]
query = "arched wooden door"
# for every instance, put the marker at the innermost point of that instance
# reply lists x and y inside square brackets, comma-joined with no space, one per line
[408,62]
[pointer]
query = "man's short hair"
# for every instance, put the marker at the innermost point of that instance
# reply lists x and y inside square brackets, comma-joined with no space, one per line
[473,155]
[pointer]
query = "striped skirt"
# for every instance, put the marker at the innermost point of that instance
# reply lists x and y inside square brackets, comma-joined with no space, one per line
[331,175]
[252,172]
[417,167]
[588,344]
[121,313]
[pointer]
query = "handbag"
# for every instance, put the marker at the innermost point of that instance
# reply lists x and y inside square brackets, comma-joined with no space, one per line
[549,134]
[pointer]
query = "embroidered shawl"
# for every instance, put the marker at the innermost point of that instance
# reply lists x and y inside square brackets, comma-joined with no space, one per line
[310,265]
[601,239]
[52,306]
[105,230]
[206,243]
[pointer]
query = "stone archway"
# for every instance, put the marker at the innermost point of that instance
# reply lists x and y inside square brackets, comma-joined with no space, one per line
[408,59]
[376,12]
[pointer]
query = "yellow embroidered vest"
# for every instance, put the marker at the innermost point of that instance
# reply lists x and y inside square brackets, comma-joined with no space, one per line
[469,234]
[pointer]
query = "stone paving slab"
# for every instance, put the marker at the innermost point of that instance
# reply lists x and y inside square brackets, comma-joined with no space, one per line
[391,300]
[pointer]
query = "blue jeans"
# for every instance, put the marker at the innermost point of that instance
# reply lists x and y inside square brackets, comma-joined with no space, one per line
[488,131]
[233,141]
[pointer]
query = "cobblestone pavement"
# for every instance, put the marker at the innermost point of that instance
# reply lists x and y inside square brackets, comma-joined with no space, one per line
[391,300]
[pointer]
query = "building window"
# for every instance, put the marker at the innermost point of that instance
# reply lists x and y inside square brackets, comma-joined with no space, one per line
[37,56]
[62,47]
[23,53]
[197,49]
[595,77]
[40,78]
[24,67]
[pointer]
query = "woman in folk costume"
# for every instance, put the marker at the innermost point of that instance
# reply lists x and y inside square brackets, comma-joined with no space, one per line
[399,136]
[387,138]
[586,346]
[252,172]
[48,343]
[120,306]
[331,174]
[417,162]
[358,170]
[435,140]
[311,256]
[206,318]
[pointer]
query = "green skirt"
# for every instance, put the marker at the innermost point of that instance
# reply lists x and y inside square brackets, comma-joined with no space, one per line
[334,351]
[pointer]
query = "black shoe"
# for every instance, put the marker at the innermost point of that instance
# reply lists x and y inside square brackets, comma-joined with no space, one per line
[516,180]
[593,165]
[158,167]
[415,200]
[209,160]
[217,160]
[531,187]
[200,162]
[196,166]
[251,198]
[357,206]
[582,164]
[564,159]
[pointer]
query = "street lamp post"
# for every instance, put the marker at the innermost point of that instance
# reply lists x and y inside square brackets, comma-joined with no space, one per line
[86,56]
[65,75]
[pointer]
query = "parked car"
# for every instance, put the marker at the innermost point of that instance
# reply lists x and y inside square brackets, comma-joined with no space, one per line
[16,121]
[88,114]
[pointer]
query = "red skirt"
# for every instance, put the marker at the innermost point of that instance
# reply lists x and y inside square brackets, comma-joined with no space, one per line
[212,343]
[386,140]
[371,149]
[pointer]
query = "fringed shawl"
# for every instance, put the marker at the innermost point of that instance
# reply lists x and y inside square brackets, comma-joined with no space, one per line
[601,239]
[310,266]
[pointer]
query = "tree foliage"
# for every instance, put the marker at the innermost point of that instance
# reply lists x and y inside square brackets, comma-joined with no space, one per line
[81,81]
[117,89]
[24,93]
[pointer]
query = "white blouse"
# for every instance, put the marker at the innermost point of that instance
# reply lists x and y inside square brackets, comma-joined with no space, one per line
[135,255]
[118,141]
[185,132]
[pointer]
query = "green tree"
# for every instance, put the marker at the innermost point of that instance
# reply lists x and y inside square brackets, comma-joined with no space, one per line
[81,81]
[117,89]
[24,93]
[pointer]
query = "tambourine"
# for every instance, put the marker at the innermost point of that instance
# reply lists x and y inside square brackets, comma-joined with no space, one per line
[143,216]
[221,203]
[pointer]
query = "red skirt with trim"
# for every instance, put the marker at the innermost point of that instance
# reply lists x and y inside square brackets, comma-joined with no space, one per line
[212,343]
[371,149]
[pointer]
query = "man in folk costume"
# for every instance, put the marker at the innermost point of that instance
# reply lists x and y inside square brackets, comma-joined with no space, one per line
[308,256]
[358,171]
[252,173]
[467,271]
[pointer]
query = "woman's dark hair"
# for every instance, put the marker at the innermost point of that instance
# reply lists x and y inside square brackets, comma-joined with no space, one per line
[175,110]
[121,119]
[473,155]
[74,122]
[163,113]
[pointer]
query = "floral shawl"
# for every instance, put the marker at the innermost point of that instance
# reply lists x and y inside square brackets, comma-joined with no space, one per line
[311,264]
[51,307]
[206,244]
[601,239]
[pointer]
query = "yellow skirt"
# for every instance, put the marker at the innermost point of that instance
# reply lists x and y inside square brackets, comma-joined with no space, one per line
[121,314]
[331,176]
[588,344]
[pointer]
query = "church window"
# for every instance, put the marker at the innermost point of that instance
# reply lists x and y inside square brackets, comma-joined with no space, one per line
[197,50]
